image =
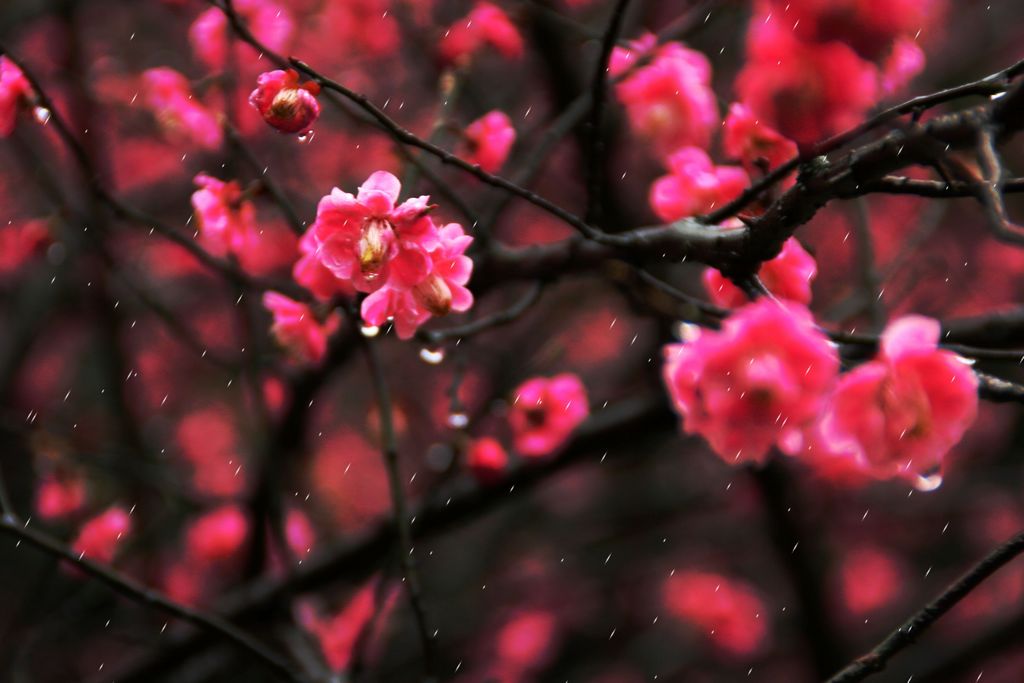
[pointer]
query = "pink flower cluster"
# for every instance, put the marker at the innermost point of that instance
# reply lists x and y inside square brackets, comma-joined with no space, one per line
[770,377]
[283,103]
[410,268]
[787,276]
[183,118]
[815,68]
[486,24]
[225,217]
[694,185]
[669,100]
[14,91]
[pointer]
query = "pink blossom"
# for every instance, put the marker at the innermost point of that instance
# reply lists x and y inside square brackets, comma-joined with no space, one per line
[208,439]
[903,411]
[368,239]
[787,276]
[546,411]
[210,37]
[20,242]
[99,537]
[299,532]
[487,459]
[669,100]
[694,185]
[727,611]
[486,24]
[297,329]
[410,303]
[226,219]
[180,114]
[527,641]
[59,496]
[283,103]
[753,142]
[14,90]
[489,140]
[757,383]
[806,91]
[218,535]
[311,273]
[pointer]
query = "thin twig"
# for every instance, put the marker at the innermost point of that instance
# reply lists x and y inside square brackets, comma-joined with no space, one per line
[403,523]
[486,323]
[875,661]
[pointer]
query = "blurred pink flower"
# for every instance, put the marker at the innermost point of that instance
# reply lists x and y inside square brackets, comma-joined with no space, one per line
[486,24]
[270,22]
[757,383]
[99,538]
[226,219]
[729,612]
[489,140]
[168,94]
[903,411]
[339,634]
[217,536]
[14,89]
[297,329]
[546,411]
[870,579]
[487,459]
[310,272]
[753,142]
[59,496]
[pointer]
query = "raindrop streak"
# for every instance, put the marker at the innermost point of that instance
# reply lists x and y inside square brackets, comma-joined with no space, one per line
[928,483]
[432,356]
[305,137]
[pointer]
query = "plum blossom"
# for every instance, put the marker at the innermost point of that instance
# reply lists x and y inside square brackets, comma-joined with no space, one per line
[487,459]
[310,272]
[340,633]
[218,535]
[729,612]
[297,329]
[757,383]
[489,140]
[99,537]
[546,411]
[270,22]
[870,578]
[369,239]
[14,90]
[902,412]
[226,219]
[787,276]
[694,185]
[754,143]
[168,94]
[669,101]
[904,62]
[486,24]
[283,103]
[410,303]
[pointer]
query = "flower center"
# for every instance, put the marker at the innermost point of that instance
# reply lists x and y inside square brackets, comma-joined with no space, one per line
[373,244]
[285,104]
[435,295]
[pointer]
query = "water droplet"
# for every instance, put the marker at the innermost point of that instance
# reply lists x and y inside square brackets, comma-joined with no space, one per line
[928,483]
[42,115]
[687,332]
[369,330]
[432,356]
[305,137]
[458,420]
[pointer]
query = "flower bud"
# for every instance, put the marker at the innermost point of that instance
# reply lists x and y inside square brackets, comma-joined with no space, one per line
[283,103]
[434,295]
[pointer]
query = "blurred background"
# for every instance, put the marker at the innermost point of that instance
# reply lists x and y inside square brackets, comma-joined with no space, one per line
[132,377]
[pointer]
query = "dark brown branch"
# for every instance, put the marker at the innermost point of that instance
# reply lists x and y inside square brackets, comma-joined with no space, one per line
[935,189]
[876,660]
[208,623]
[595,152]
[486,323]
